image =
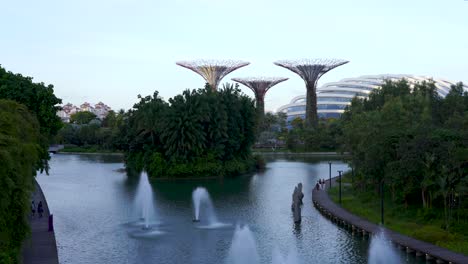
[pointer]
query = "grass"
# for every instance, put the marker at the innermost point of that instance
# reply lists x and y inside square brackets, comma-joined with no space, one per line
[411,221]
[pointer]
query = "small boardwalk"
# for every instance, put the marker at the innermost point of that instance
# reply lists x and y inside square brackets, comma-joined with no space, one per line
[41,247]
[327,207]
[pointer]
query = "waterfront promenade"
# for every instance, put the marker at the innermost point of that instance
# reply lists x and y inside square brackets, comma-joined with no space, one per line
[358,225]
[41,247]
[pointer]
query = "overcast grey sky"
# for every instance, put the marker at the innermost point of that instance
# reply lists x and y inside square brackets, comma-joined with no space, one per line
[113,50]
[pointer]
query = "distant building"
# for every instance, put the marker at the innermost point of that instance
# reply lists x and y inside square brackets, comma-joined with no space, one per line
[87,107]
[100,110]
[334,97]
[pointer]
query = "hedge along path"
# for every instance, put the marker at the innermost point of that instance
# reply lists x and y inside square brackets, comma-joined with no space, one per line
[359,225]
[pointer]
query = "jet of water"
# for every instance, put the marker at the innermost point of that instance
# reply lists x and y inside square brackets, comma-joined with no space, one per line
[381,250]
[144,200]
[201,197]
[290,258]
[243,247]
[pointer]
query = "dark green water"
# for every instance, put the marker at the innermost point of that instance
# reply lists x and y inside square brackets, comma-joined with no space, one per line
[92,205]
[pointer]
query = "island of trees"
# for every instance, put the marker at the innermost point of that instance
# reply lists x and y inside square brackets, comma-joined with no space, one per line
[200,133]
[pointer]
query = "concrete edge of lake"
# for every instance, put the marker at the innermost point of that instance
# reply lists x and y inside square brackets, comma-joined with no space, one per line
[92,153]
[41,246]
[337,154]
[358,225]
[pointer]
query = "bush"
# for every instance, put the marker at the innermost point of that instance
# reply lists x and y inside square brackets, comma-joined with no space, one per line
[432,234]
[203,167]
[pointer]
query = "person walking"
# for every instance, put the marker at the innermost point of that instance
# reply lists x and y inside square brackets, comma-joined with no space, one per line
[33,208]
[40,210]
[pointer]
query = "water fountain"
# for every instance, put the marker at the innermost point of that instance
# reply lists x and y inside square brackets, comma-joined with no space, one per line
[290,258]
[201,196]
[381,250]
[243,248]
[144,201]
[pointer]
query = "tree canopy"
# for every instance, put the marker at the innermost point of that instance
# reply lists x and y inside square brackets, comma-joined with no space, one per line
[39,99]
[197,133]
[82,117]
[20,152]
[413,141]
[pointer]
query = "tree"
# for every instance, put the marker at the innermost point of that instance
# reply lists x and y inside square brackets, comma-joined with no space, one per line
[40,100]
[37,97]
[82,118]
[413,140]
[199,133]
[20,152]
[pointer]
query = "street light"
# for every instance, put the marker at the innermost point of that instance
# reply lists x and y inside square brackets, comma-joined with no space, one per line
[329,173]
[339,172]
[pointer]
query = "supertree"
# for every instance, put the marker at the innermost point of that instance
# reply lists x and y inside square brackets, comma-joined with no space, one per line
[213,71]
[260,85]
[310,71]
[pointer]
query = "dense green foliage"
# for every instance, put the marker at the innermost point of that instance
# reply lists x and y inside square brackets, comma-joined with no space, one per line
[40,100]
[274,133]
[199,133]
[416,143]
[20,152]
[93,134]
[83,117]
[408,220]
[321,138]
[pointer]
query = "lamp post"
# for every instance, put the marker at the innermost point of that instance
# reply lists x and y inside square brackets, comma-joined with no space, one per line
[329,173]
[382,202]
[339,172]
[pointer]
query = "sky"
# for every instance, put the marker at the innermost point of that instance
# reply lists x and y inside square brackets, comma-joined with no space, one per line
[113,50]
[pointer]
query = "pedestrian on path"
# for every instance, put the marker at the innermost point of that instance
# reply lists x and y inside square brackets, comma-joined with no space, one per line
[40,210]
[33,208]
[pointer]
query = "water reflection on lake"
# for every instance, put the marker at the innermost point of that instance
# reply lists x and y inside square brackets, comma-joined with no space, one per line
[93,202]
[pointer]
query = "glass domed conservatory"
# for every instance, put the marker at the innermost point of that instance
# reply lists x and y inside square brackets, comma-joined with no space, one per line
[332,98]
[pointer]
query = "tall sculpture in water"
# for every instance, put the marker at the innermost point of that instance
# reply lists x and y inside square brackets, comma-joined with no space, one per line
[260,85]
[213,71]
[310,71]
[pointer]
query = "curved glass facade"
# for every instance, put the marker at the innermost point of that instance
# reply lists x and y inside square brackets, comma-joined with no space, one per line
[332,98]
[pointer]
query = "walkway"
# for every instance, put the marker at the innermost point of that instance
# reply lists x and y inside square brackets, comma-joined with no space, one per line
[41,247]
[327,207]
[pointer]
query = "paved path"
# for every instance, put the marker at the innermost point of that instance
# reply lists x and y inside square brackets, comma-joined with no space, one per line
[323,202]
[41,247]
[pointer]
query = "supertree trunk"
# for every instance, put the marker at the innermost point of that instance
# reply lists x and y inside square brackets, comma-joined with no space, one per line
[260,110]
[260,86]
[311,106]
[310,70]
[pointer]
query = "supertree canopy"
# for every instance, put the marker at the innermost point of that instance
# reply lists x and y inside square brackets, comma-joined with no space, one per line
[310,70]
[213,71]
[260,85]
